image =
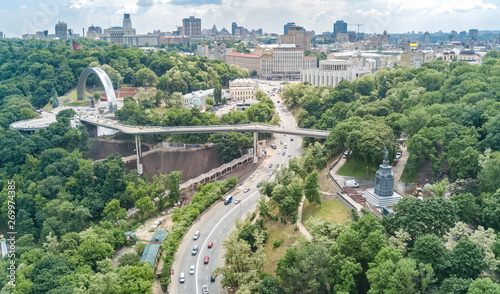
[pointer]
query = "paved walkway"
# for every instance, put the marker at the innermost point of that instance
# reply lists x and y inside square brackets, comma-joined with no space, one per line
[303,229]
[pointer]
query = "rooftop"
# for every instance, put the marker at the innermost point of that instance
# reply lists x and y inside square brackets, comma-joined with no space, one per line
[150,253]
[243,54]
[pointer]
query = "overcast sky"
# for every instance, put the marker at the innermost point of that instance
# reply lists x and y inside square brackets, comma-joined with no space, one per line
[399,16]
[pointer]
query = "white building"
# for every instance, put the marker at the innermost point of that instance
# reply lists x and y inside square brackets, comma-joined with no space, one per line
[243,89]
[197,98]
[331,72]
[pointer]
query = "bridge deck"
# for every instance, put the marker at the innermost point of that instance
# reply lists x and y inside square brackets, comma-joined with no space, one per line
[261,128]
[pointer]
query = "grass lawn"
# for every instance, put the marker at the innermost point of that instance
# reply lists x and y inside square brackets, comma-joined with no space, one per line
[160,109]
[276,230]
[74,99]
[407,177]
[331,210]
[359,172]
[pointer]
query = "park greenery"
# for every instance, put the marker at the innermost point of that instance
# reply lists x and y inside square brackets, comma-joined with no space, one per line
[67,206]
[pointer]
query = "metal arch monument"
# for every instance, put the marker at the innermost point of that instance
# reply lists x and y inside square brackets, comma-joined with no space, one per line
[106,82]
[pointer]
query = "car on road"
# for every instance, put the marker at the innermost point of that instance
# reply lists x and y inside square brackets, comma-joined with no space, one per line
[212,279]
[246,190]
[196,235]
[204,289]
[291,138]
[206,260]
[258,185]
[270,165]
[352,184]
[289,154]
[271,173]
[195,250]
[345,154]
[284,152]
[279,151]
[277,165]
[191,270]
[237,201]
[182,278]
[210,244]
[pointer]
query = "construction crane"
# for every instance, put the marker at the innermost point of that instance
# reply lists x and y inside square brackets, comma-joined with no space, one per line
[358,25]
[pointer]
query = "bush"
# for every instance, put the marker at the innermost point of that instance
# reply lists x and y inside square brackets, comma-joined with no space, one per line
[139,248]
[129,259]
[277,243]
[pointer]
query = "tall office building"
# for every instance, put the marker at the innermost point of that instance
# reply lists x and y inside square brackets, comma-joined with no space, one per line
[427,38]
[296,35]
[1,35]
[339,27]
[191,26]
[62,30]
[234,26]
[287,26]
[473,34]
[127,22]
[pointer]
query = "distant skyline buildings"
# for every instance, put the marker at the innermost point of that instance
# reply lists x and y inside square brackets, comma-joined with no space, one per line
[62,30]
[339,27]
[31,16]
[191,26]
[287,26]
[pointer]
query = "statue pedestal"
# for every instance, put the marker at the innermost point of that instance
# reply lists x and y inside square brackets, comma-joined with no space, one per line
[380,201]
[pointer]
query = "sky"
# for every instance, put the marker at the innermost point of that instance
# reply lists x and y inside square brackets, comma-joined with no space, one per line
[18,17]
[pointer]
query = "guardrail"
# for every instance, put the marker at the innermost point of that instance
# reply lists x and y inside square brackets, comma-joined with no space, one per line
[258,127]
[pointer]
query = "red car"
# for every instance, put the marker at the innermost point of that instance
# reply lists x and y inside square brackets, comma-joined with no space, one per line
[206,259]
[210,244]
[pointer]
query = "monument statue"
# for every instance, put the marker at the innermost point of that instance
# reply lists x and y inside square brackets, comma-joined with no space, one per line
[386,154]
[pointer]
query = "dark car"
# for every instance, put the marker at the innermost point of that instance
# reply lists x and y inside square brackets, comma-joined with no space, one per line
[270,165]
[212,279]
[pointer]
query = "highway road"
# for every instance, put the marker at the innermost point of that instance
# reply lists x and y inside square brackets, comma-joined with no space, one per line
[215,224]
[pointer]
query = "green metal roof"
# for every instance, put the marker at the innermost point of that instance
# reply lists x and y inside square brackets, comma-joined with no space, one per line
[150,253]
[159,236]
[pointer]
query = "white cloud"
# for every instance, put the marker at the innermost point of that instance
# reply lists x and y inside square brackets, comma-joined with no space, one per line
[463,6]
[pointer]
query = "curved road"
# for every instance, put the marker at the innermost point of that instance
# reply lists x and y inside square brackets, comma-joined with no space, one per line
[218,221]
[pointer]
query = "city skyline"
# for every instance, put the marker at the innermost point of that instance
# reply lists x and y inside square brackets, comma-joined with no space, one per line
[376,16]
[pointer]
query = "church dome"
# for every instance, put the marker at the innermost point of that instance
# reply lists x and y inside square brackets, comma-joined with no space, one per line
[467,51]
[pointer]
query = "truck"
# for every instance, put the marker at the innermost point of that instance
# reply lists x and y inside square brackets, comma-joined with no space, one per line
[228,199]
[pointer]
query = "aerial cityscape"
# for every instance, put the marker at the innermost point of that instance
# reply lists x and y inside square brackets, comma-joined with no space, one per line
[206,146]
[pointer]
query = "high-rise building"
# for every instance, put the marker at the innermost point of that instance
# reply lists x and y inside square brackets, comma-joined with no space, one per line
[296,35]
[463,35]
[94,32]
[62,30]
[191,26]
[427,38]
[234,26]
[473,34]
[1,35]
[287,26]
[127,22]
[339,27]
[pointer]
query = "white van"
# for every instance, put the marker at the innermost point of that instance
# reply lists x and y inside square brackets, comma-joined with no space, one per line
[285,145]
[182,278]
[352,184]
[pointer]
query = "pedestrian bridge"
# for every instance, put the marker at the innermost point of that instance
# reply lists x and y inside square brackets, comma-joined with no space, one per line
[150,130]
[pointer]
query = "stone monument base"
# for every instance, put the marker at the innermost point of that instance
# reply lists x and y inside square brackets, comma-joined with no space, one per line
[380,201]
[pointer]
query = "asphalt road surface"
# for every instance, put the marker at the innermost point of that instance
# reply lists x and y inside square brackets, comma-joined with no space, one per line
[215,224]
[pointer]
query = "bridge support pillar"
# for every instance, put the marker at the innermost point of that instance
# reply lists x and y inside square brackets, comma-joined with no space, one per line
[139,154]
[255,135]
